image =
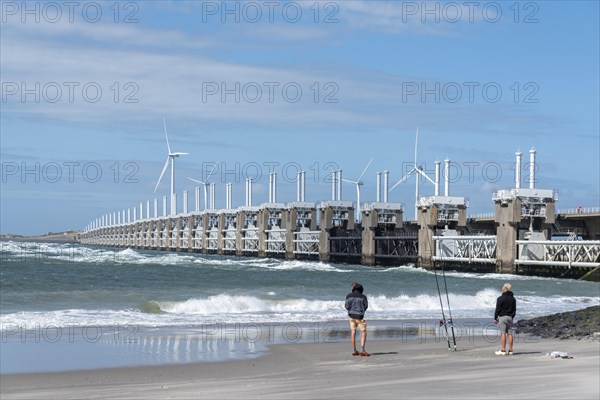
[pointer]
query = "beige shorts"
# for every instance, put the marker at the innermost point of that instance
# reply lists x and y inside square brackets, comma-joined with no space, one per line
[362,325]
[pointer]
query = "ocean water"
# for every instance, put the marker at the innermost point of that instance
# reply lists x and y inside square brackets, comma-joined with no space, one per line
[63,293]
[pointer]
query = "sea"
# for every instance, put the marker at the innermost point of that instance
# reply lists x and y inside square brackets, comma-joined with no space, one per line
[73,307]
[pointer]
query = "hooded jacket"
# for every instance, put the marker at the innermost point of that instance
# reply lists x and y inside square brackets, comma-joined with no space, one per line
[356,303]
[506,305]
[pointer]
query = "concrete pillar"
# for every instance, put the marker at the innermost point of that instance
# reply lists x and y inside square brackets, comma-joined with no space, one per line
[292,227]
[369,223]
[239,235]
[326,219]
[179,227]
[220,235]
[427,221]
[204,233]
[263,219]
[190,231]
[508,217]
[169,227]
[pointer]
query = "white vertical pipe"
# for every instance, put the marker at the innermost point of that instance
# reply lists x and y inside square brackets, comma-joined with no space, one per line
[518,155]
[229,195]
[174,204]
[271,187]
[298,185]
[274,187]
[119,217]
[129,215]
[378,188]
[386,185]
[339,185]
[532,169]
[185,201]
[250,192]
[333,185]
[164,213]
[197,199]
[155,208]
[437,177]
[134,214]
[212,196]
[303,186]
[147,209]
[141,210]
[246,192]
[123,219]
[114,218]
[446,177]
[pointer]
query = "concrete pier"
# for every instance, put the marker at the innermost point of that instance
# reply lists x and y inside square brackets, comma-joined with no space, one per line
[381,224]
[443,215]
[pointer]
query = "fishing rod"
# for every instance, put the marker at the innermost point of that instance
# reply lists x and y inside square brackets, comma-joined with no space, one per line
[443,321]
[449,310]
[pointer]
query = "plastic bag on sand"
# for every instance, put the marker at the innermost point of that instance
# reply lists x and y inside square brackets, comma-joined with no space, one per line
[558,354]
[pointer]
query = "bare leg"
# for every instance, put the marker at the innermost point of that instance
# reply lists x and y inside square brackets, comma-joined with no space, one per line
[510,342]
[353,338]
[503,340]
[363,339]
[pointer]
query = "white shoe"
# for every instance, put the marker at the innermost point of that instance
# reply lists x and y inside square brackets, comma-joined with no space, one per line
[500,353]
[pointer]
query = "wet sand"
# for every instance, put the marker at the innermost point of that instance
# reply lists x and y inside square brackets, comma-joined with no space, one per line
[396,369]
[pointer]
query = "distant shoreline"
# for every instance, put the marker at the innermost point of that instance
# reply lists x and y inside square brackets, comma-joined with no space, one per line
[62,237]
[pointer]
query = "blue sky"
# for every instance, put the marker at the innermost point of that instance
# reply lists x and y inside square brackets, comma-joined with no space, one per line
[85,89]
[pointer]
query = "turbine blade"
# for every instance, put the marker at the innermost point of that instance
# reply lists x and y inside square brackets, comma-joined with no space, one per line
[162,173]
[166,135]
[211,171]
[349,181]
[365,170]
[404,178]
[425,175]
[195,180]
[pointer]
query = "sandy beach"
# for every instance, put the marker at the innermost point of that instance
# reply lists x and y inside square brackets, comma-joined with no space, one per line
[396,369]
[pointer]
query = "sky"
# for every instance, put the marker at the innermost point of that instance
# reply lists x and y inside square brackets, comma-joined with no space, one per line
[278,86]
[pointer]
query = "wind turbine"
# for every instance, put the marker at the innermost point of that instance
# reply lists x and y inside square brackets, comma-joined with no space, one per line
[416,170]
[206,184]
[170,157]
[358,184]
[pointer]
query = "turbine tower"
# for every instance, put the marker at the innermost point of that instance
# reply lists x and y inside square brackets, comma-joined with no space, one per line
[206,183]
[416,170]
[170,157]
[358,183]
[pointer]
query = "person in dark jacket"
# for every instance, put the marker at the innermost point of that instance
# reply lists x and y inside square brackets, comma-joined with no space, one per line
[506,308]
[357,304]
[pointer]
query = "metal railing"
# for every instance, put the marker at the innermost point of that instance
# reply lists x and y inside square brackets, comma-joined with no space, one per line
[250,240]
[402,247]
[468,249]
[576,253]
[275,240]
[307,242]
[583,210]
